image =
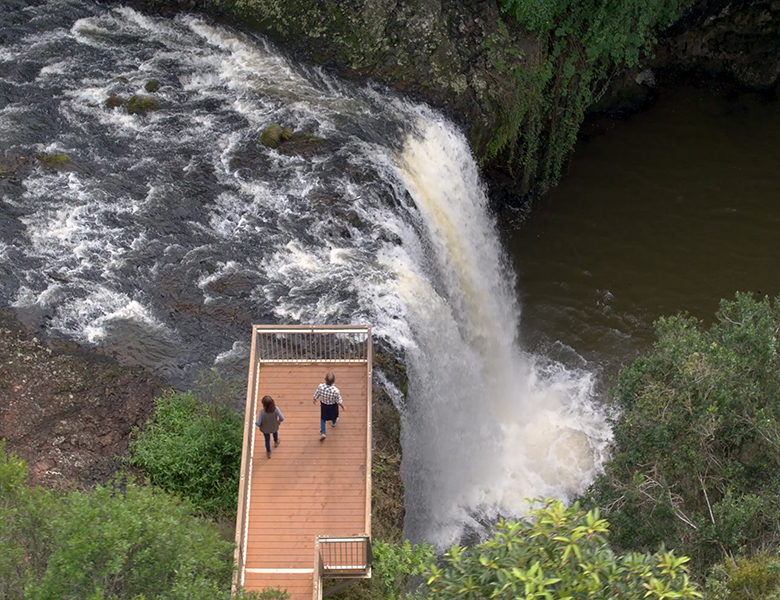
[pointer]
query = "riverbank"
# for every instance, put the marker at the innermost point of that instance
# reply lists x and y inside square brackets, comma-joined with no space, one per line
[67,411]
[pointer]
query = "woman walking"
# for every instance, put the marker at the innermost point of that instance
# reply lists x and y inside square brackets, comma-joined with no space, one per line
[268,422]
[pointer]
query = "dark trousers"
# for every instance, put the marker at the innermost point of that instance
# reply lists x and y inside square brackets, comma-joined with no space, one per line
[267,437]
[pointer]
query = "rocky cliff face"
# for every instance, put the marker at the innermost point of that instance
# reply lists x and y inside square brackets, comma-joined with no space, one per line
[480,65]
[460,56]
[738,37]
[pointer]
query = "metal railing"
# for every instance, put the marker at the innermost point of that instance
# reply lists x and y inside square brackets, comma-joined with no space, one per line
[347,344]
[345,556]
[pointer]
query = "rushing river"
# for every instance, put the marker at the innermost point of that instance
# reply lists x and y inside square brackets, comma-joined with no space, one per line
[669,211]
[169,233]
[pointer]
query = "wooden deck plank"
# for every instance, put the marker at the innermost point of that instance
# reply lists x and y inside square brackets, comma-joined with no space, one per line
[308,487]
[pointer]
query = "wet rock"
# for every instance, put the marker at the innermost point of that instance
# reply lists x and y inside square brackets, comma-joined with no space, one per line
[354,219]
[68,412]
[307,145]
[152,86]
[628,93]
[738,38]
[140,105]
[114,101]
[14,166]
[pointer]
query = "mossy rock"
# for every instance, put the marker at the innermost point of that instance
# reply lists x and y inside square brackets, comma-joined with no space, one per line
[307,145]
[139,105]
[287,134]
[152,86]
[354,220]
[272,135]
[121,79]
[113,101]
[53,160]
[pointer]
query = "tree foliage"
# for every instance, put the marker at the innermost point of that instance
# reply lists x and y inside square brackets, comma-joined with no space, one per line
[193,449]
[697,438]
[756,578]
[557,553]
[395,564]
[119,541]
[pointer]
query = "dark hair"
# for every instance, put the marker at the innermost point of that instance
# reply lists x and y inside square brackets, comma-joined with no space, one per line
[330,378]
[268,404]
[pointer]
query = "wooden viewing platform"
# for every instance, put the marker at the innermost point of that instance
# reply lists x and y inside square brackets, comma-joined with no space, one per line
[305,513]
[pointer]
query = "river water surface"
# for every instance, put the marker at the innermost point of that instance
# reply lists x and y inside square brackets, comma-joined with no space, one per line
[670,210]
[168,234]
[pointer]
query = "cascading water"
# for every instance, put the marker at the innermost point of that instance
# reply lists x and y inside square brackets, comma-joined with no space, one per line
[169,233]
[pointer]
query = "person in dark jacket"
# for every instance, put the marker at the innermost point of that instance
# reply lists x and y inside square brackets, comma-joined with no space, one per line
[268,422]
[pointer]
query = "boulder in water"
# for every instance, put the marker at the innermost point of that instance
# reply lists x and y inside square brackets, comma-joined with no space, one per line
[152,86]
[139,105]
[272,135]
[113,101]
[14,166]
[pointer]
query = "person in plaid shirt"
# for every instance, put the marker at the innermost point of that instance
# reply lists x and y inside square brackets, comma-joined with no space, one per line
[330,400]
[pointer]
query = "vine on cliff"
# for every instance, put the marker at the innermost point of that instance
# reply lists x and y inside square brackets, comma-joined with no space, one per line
[581,45]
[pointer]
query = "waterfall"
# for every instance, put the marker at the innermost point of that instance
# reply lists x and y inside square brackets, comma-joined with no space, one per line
[169,233]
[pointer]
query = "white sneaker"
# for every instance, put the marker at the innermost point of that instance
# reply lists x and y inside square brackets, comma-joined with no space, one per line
[322,436]
[336,421]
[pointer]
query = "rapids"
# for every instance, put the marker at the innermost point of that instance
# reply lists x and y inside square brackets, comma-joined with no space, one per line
[169,233]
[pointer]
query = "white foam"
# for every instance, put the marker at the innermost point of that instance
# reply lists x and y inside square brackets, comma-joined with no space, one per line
[484,425]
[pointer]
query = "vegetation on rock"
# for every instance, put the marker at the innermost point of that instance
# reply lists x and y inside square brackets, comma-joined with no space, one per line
[139,105]
[697,438]
[521,72]
[119,541]
[193,449]
[114,101]
[582,45]
[55,159]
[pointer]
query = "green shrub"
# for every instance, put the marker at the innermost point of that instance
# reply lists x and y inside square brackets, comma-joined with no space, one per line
[132,541]
[193,449]
[395,564]
[557,552]
[120,541]
[697,438]
[757,578]
[25,527]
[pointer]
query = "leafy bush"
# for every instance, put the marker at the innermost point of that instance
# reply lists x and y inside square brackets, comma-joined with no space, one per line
[757,578]
[395,564]
[697,438]
[120,541]
[193,449]
[25,526]
[557,552]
